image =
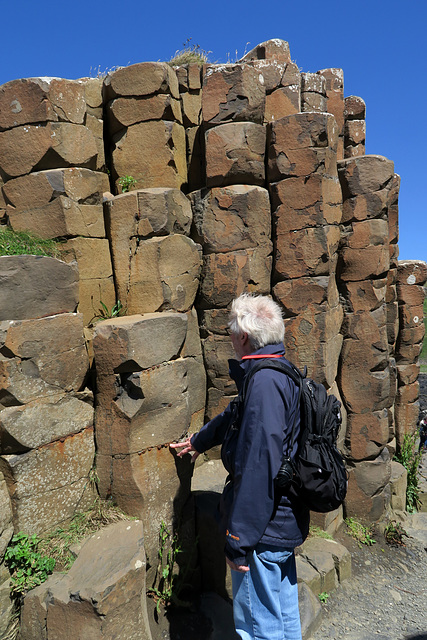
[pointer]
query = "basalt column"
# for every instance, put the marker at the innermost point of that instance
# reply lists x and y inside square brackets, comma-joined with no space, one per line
[411,276]
[231,217]
[52,157]
[307,208]
[367,377]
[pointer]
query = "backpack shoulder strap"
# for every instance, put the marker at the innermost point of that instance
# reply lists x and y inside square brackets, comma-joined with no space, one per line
[278,365]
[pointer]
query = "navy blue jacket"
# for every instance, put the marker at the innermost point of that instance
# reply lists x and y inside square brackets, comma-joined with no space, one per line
[251,511]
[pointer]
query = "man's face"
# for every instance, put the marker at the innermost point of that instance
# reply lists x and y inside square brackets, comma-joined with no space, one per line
[241,344]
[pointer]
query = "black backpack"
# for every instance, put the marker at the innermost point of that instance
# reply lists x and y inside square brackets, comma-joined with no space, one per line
[316,475]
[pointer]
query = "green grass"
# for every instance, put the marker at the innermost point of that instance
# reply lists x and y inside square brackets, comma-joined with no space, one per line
[17,243]
[190,54]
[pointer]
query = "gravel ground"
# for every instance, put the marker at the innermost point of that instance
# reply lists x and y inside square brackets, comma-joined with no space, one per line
[386,598]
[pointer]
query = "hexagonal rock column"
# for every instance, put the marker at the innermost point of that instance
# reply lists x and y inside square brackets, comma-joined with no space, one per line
[156,265]
[307,208]
[334,90]
[145,131]
[411,276]
[51,151]
[46,422]
[367,378]
[282,79]
[233,225]
[354,127]
[109,576]
[150,392]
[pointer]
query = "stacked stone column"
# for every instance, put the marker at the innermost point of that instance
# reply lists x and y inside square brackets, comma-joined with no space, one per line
[366,374]
[51,157]
[355,127]
[46,415]
[307,208]
[231,217]
[411,276]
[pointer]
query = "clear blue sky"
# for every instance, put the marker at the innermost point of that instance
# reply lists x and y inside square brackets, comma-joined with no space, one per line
[380,45]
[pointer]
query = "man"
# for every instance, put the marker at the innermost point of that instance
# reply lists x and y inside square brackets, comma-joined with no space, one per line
[262,528]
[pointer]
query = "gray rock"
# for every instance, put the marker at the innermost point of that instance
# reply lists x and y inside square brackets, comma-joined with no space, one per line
[36,286]
[101,597]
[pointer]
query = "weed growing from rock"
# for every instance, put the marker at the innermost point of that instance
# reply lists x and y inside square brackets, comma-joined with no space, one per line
[29,567]
[190,54]
[16,243]
[163,589]
[410,458]
[57,544]
[127,183]
[359,532]
[393,534]
[317,532]
[323,597]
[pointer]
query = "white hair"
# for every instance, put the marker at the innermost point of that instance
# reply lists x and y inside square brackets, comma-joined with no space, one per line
[258,316]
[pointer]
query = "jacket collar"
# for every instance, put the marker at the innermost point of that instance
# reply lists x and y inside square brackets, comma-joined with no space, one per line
[239,368]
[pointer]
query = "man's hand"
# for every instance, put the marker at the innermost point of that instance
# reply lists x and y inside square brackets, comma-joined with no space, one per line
[186,447]
[242,568]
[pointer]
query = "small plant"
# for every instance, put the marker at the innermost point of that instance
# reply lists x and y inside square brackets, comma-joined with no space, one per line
[323,597]
[104,313]
[16,243]
[126,183]
[393,534]
[359,532]
[164,592]
[410,458]
[190,54]
[100,514]
[28,566]
[318,532]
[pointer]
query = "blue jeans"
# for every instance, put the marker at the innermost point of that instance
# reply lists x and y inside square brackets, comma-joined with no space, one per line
[265,598]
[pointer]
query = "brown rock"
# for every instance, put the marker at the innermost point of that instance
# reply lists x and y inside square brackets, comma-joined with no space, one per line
[313,340]
[410,317]
[272,72]
[306,252]
[311,101]
[142,79]
[92,256]
[410,272]
[366,234]
[274,49]
[313,82]
[393,210]
[109,575]
[41,100]
[367,434]
[232,93]
[44,357]
[368,495]
[153,153]
[408,393]
[123,112]
[36,286]
[227,275]
[135,343]
[232,218]
[35,147]
[335,94]
[406,418]
[48,483]
[305,202]
[92,292]
[363,387]
[407,373]
[353,152]
[365,295]
[60,218]
[364,174]
[40,188]
[355,134]
[93,92]
[282,102]
[411,295]
[6,524]
[163,274]
[366,254]
[42,421]
[296,295]
[354,108]
[191,108]
[235,154]
[366,206]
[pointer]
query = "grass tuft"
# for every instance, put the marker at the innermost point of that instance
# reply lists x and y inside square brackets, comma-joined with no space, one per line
[57,544]
[190,54]
[16,243]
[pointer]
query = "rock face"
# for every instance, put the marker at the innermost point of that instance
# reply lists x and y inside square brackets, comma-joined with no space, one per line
[108,577]
[138,360]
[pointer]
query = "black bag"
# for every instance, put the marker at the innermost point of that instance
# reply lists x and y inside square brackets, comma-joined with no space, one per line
[316,474]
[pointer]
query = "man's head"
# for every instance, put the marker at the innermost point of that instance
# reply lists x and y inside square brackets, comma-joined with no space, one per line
[254,322]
